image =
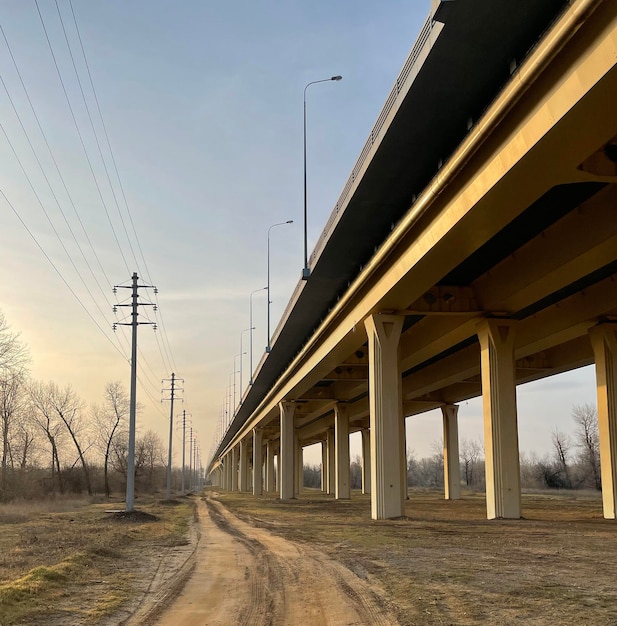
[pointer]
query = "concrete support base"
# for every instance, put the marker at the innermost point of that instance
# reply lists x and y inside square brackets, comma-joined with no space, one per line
[503,481]
[286,455]
[604,342]
[342,490]
[386,416]
[258,461]
[451,462]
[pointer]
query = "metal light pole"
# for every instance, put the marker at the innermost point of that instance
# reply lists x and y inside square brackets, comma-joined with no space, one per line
[268,282]
[306,272]
[246,330]
[251,333]
[235,372]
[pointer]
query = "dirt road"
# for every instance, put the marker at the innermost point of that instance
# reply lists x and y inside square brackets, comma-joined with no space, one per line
[246,575]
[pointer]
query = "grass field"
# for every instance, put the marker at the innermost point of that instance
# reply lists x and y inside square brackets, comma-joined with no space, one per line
[444,563]
[71,562]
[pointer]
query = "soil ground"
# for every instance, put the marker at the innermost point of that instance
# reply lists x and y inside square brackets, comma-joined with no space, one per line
[444,563]
[313,561]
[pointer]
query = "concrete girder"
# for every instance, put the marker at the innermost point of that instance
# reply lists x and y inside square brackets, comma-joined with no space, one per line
[579,243]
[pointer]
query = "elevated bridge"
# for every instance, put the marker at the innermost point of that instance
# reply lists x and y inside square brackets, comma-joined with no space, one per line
[473,248]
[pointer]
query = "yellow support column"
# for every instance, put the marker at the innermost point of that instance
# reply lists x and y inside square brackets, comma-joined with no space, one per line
[331,482]
[299,468]
[243,485]
[234,468]
[451,462]
[286,453]
[386,416]
[503,480]
[258,461]
[366,461]
[270,482]
[324,459]
[604,343]
[341,436]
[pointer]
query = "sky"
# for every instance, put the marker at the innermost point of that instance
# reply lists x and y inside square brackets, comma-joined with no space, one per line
[165,139]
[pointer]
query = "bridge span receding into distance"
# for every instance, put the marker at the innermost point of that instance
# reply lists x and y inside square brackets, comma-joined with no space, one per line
[473,248]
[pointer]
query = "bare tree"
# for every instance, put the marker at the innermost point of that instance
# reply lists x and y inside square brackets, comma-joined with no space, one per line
[150,453]
[471,452]
[13,353]
[587,438]
[562,445]
[46,419]
[110,420]
[13,362]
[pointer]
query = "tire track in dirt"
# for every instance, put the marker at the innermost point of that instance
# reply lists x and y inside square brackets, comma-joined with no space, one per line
[249,576]
[315,589]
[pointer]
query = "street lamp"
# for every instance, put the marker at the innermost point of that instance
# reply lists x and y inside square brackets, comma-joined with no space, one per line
[251,333]
[246,330]
[306,272]
[236,371]
[268,285]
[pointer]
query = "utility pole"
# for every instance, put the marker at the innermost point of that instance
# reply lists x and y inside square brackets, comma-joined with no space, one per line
[183,447]
[130,470]
[171,427]
[191,461]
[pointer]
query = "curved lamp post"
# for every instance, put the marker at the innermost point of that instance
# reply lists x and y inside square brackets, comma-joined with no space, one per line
[246,330]
[268,285]
[306,272]
[251,333]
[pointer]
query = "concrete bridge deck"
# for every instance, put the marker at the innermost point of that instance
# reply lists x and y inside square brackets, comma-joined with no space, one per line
[473,248]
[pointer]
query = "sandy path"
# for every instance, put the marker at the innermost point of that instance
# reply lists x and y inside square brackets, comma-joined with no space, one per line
[246,575]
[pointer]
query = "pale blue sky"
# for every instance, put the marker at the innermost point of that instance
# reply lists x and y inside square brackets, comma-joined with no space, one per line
[202,102]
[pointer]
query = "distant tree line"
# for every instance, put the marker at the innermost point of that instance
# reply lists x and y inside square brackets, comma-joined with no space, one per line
[574,462]
[52,443]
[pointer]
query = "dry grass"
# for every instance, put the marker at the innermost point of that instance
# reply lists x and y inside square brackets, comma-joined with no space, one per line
[444,563]
[73,562]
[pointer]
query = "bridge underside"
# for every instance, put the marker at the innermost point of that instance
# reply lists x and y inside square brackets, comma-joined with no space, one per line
[502,271]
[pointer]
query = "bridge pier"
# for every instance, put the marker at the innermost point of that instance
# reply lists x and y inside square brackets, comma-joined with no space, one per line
[243,482]
[604,343]
[386,416]
[228,470]
[331,482]
[299,468]
[366,460]
[503,481]
[451,463]
[324,458]
[270,480]
[234,468]
[258,461]
[342,489]
[286,453]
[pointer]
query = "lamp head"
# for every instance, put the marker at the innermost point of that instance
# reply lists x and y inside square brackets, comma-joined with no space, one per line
[337,78]
[289,222]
